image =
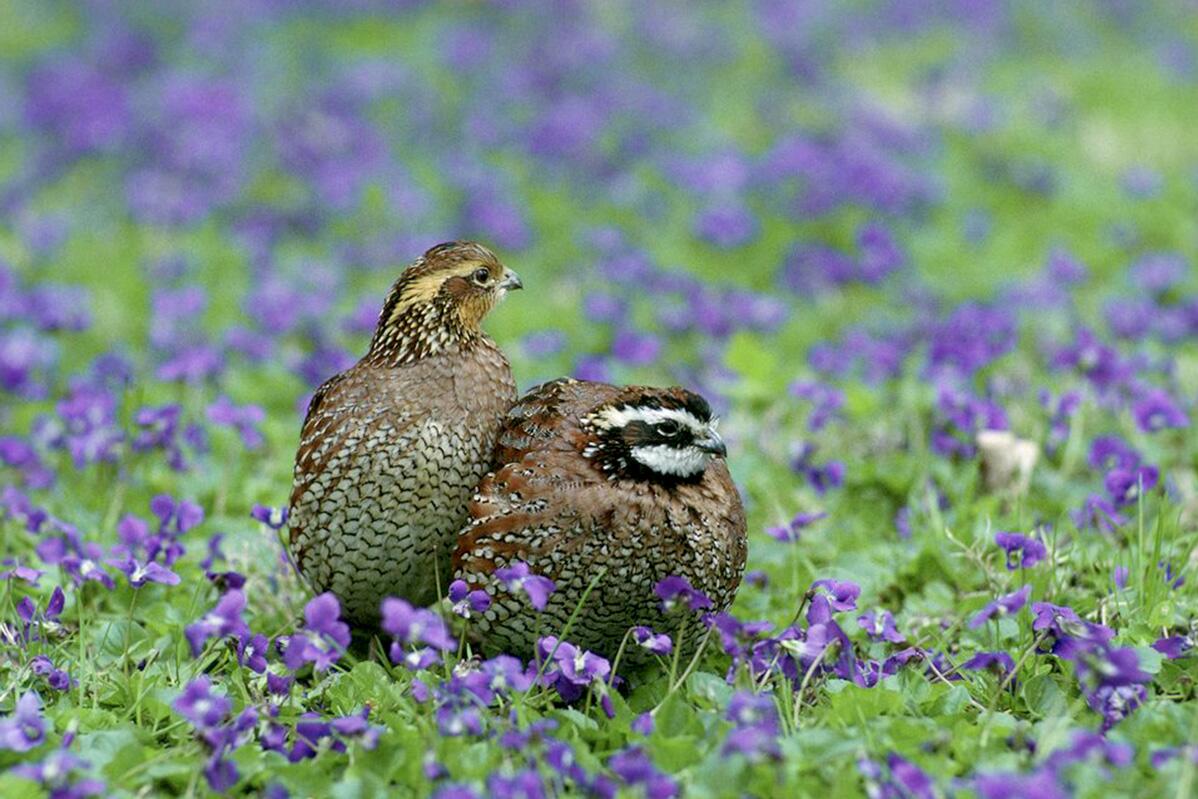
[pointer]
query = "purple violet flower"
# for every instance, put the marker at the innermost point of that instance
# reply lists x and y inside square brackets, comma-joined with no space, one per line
[57,679]
[251,652]
[1157,272]
[603,308]
[324,637]
[580,667]
[175,517]
[141,573]
[57,774]
[1004,605]
[657,643]
[1171,578]
[517,577]
[756,727]
[1174,646]
[999,661]
[274,518]
[455,791]
[910,777]
[754,742]
[826,399]
[466,602]
[24,729]
[1112,452]
[1089,747]
[1111,667]
[842,593]
[1039,784]
[633,767]
[571,669]
[521,785]
[414,627]
[44,623]
[674,590]
[243,418]
[1023,552]
[224,619]
[1067,632]
[1124,486]
[822,478]
[789,533]
[1116,703]
[879,626]
[1162,756]
[726,225]
[1098,513]
[636,349]
[200,706]
[1119,577]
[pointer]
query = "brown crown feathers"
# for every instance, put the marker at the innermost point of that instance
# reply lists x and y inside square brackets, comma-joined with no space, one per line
[439,300]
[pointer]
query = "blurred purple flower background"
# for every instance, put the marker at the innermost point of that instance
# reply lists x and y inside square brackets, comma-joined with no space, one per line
[933,264]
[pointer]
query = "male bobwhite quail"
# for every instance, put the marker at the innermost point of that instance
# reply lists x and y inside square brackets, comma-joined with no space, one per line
[393,448]
[630,480]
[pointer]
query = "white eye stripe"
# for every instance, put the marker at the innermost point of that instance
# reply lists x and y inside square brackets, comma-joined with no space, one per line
[611,418]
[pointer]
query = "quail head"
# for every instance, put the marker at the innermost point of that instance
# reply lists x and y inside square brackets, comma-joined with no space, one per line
[617,486]
[393,448]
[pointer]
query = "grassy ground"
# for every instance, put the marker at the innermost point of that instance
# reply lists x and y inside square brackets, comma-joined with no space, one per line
[868,232]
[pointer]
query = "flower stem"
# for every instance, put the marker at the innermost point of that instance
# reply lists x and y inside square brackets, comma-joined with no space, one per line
[569,624]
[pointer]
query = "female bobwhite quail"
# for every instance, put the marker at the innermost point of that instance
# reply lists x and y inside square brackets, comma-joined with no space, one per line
[393,448]
[597,477]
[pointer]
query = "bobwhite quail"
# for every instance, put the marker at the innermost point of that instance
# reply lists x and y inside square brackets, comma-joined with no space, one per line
[629,480]
[393,448]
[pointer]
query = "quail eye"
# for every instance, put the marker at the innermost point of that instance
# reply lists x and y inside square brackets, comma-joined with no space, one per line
[669,429]
[481,276]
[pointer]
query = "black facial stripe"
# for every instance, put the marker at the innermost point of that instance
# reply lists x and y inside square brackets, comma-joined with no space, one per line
[679,436]
[635,433]
[669,432]
[612,455]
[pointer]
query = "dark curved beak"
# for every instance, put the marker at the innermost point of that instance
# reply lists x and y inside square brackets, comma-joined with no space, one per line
[511,281]
[713,444]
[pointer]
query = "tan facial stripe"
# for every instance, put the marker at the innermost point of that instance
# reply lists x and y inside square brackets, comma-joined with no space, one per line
[418,292]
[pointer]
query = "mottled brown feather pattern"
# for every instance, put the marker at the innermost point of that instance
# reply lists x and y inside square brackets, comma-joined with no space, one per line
[550,506]
[392,448]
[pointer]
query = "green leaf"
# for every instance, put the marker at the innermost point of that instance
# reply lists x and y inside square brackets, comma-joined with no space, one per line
[1150,659]
[577,719]
[851,702]
[1044,696]
[710,687]
[111,636]
[955,700]
[677,717]
[675,754]
[14,787]
[103,747]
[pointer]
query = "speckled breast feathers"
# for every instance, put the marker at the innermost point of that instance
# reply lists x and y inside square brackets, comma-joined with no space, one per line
[392,448]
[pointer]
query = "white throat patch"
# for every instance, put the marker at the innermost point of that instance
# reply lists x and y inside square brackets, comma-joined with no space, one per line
[664,459]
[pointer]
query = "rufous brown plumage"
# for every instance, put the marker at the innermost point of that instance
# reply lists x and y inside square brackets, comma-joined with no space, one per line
[624,484]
